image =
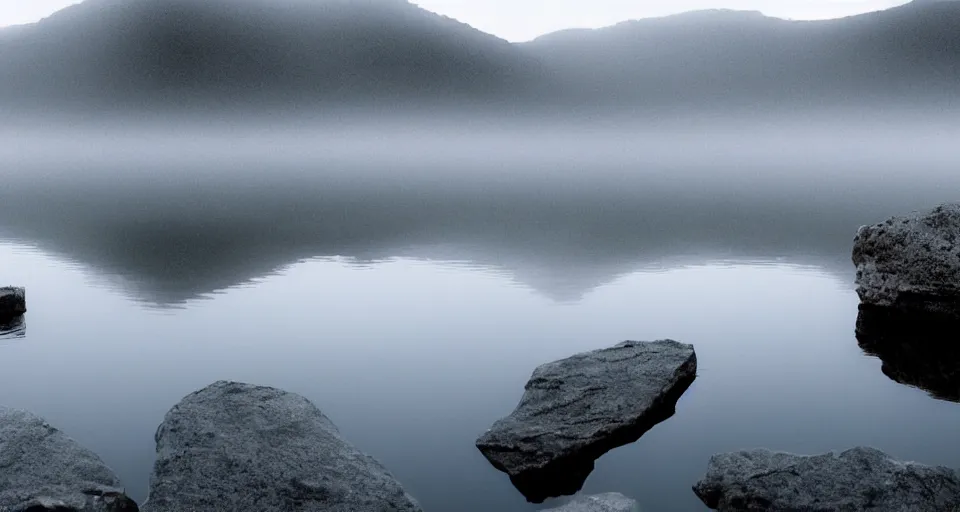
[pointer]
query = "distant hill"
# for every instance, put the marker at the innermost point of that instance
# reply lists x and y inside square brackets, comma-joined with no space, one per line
[330,52]
[909,52]
[175,51]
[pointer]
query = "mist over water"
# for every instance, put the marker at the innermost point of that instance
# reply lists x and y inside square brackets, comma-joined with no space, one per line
[407,275]
[182,210]
[399,217]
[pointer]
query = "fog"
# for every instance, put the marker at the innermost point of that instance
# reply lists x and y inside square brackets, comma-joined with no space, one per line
[180,210]
[260,56]
[202,180]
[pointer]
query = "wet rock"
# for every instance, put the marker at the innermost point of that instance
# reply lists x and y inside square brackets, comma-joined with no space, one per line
[858,479]
[13,302]
[911,262]
[918,349]
[235,447]
[43,469]
[612,502]
[577,409]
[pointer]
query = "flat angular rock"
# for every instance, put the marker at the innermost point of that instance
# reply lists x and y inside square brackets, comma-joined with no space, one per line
[612,502]
[235,447]
[858,479]
[917,349]
[13,302]
[911,262]
[43,469]
[577,409]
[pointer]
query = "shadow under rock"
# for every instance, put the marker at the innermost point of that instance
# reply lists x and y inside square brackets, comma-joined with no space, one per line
[917,349]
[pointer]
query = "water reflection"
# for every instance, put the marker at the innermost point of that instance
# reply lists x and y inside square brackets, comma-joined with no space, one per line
[14,328]
[917,349]
[439,352]
[173,245]
[178,213]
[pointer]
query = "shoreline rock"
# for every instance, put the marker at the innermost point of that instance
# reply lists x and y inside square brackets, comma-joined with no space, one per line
[911,262]
[857,479]
[577,409]
[610,502]
[43,469]
[232,447]
[917,349]
[13,302]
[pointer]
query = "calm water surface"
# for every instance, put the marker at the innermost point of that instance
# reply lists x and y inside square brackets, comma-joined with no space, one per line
[413,314]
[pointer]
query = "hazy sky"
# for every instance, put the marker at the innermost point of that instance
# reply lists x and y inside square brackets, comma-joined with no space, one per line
[520,20]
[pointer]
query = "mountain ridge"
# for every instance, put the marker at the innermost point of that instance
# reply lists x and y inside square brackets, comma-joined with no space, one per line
[136,53]
[748,57]
[254,50]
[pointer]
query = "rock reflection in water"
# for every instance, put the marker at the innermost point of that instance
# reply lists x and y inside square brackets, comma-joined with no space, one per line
[917,349]
[13,328]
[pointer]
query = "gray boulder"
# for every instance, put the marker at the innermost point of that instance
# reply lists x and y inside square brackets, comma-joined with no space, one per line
[236,447]
[577,409]
[911,262]
[13,302]
[612,502]
[43,469]
[858,479]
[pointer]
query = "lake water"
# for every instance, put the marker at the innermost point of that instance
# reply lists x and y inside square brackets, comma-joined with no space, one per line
[410,295]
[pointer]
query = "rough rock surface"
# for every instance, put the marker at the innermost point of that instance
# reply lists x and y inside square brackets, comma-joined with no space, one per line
[13,302]
[612,502]
[43,469]
[577,409]
[858,479]
[917,348]
[911,262]
[237,447]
